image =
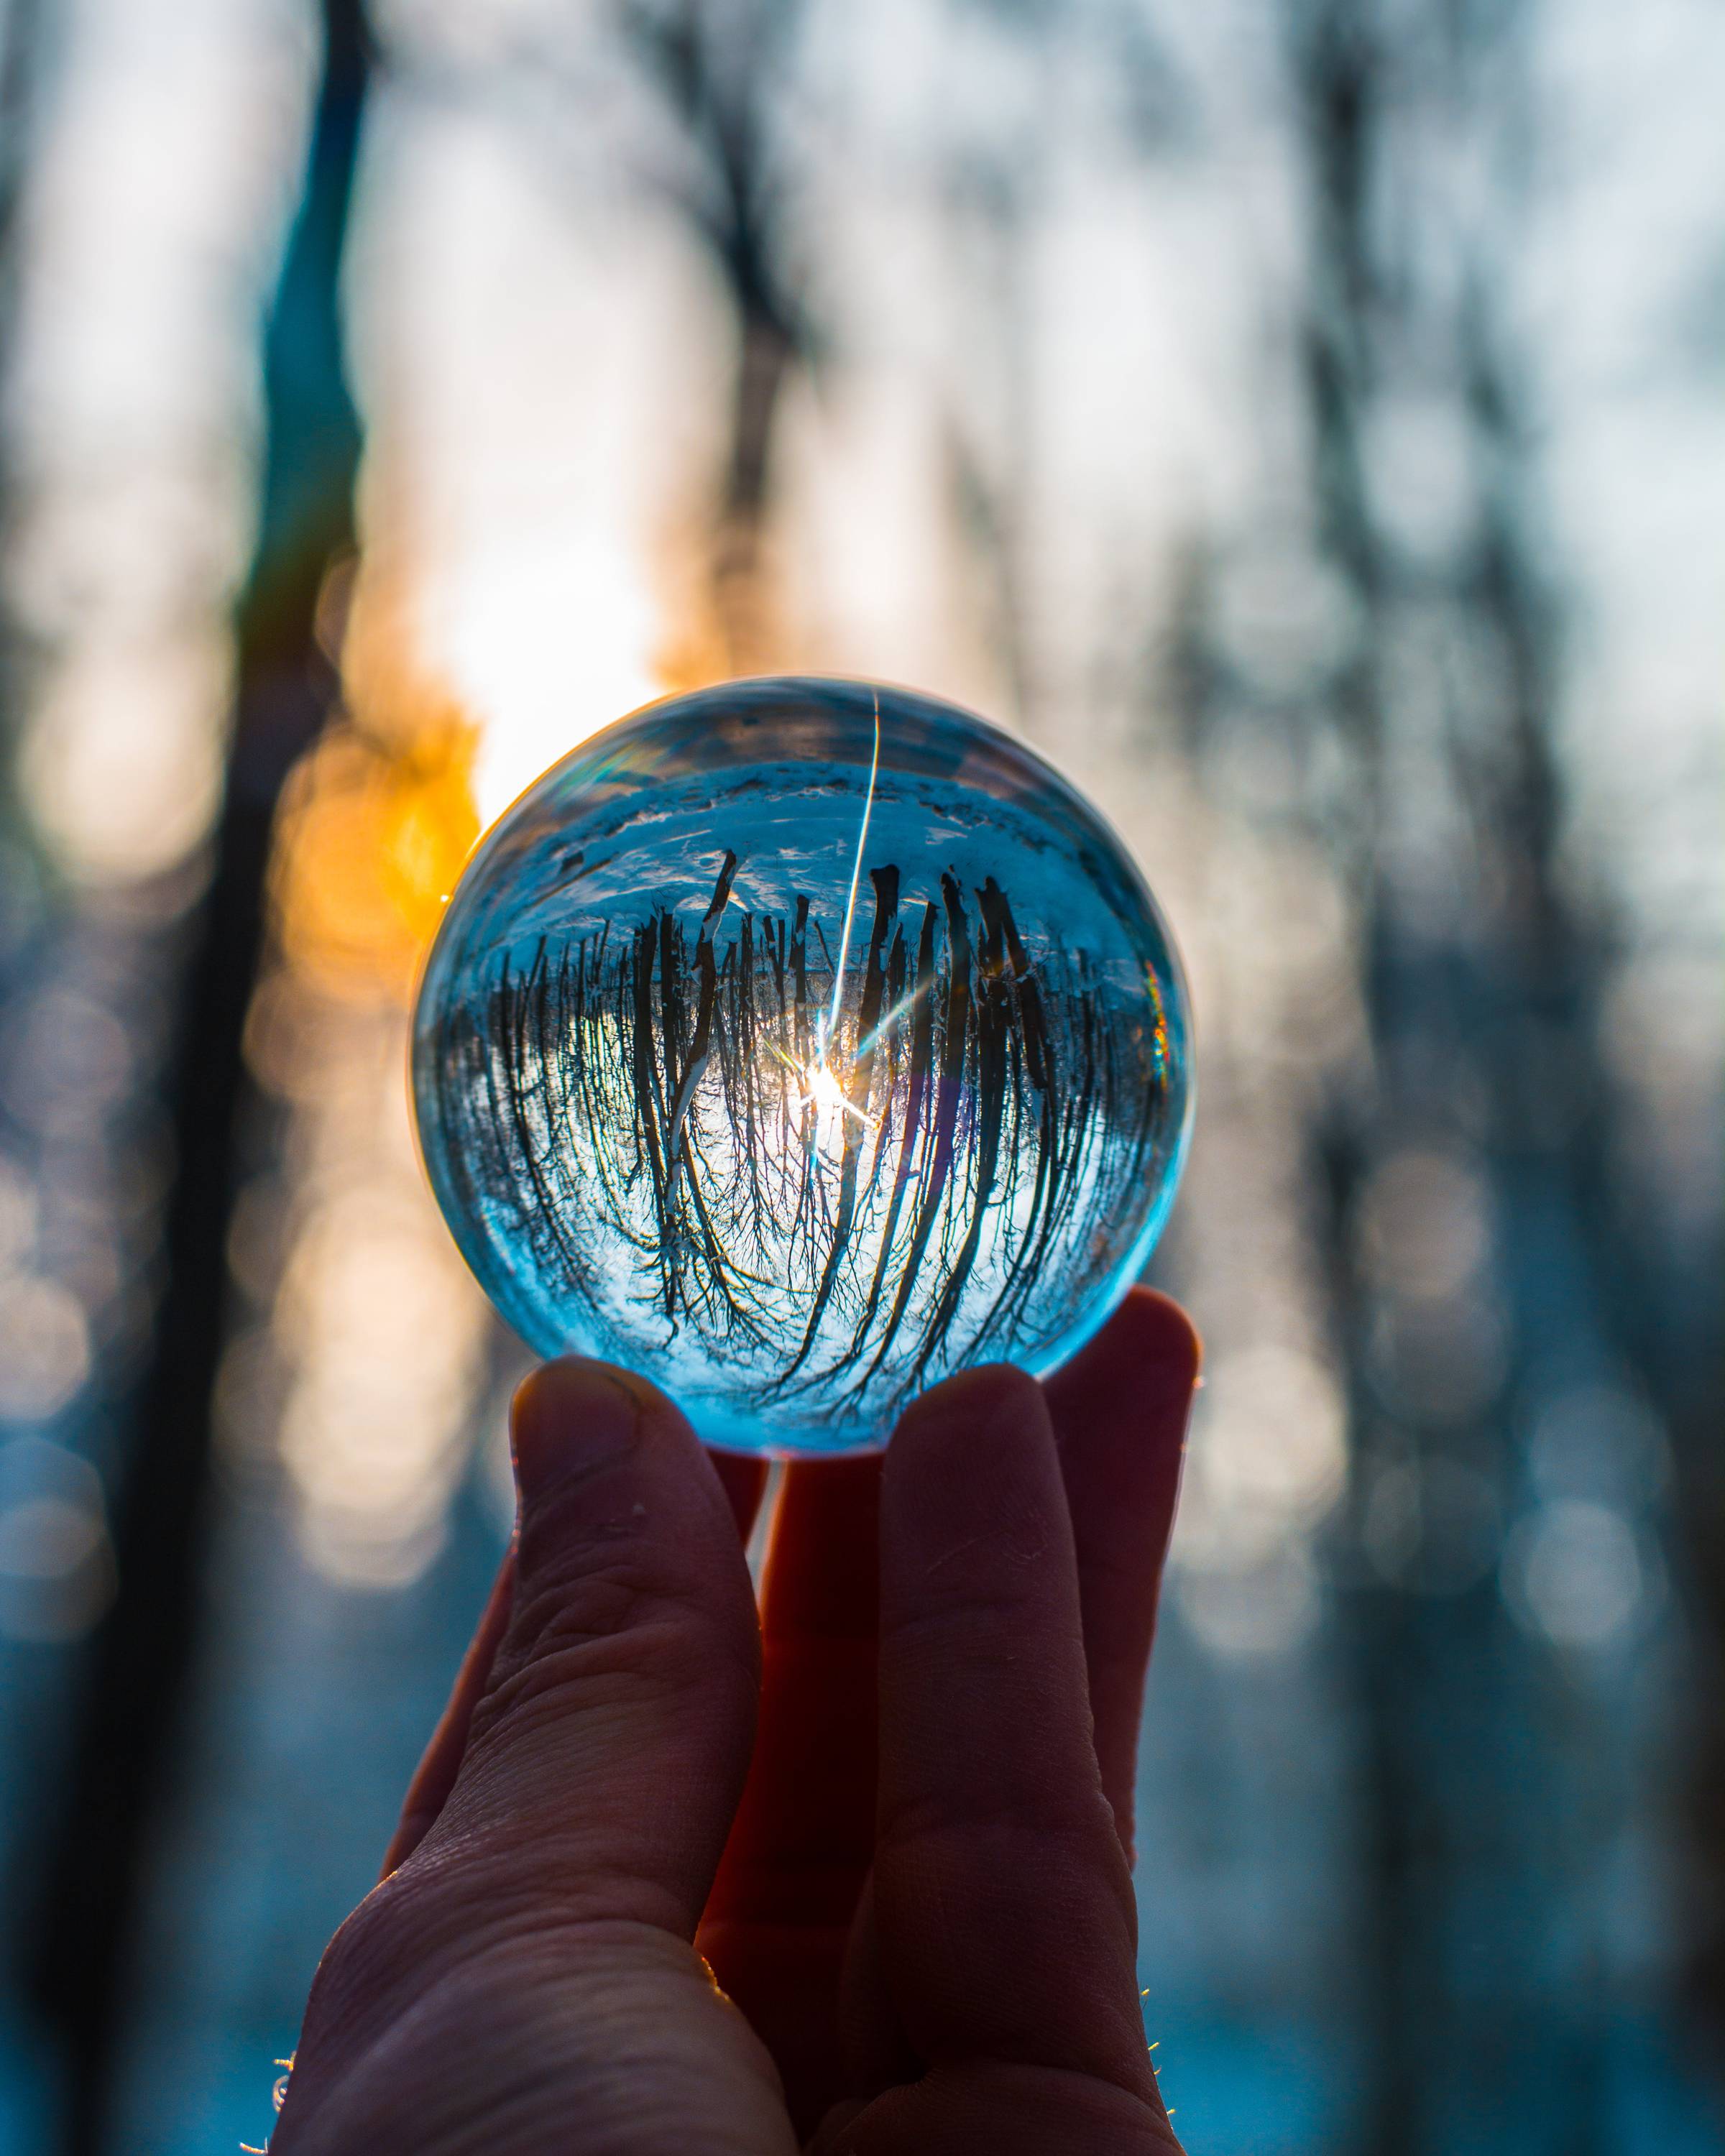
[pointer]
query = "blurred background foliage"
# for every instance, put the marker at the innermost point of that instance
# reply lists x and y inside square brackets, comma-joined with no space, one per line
[1305,419]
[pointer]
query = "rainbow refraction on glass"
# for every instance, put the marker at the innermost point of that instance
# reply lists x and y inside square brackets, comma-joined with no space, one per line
[797,1043]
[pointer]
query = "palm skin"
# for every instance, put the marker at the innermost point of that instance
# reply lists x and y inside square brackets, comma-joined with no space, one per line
[851,1875]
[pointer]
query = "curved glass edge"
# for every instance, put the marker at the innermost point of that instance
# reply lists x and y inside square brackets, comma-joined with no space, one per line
[726,1433]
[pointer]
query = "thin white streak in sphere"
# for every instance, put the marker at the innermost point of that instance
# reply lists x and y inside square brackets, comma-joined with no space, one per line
[672,1122]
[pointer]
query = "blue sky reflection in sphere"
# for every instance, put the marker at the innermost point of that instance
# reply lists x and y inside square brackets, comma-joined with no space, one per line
[677,1116]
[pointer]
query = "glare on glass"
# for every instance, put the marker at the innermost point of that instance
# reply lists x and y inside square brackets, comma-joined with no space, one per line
[797,1043]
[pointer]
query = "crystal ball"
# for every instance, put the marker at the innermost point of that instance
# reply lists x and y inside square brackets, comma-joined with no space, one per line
[796,1043]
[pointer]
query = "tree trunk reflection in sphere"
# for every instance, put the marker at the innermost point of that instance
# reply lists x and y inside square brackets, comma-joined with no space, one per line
[799,1056]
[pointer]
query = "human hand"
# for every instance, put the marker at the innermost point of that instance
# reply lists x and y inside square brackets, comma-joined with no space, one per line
[929,1947]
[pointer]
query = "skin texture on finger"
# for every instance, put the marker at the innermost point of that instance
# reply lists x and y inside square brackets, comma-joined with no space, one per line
[1120,1411]
[1002,1896]
[993,2108]
[435,1775]
[742,1480]
[628,2049]
[605,1756]
[778,1919]
[616,1727]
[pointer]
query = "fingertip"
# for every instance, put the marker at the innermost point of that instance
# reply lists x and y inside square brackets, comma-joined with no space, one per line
[972,1459]
[994,1396]
[567,1379]
[1174,1316]
[569,1419]
[1158,1332]
[582,1432]
[574,1416]
[1147,1358]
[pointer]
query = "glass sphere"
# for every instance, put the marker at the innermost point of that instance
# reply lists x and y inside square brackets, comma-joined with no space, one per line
[795,1044]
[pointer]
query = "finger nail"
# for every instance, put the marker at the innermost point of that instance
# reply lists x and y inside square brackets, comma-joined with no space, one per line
[569,1419]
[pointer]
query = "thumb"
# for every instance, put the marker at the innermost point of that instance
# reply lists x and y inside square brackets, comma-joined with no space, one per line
[607,1748]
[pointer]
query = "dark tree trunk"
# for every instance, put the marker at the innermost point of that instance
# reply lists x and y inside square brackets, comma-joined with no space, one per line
[143,1656]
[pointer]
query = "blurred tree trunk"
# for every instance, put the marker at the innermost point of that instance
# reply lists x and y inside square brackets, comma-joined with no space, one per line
[1337,62]
[1482,1007]
[719,71]
[21,40]
[143,1655]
